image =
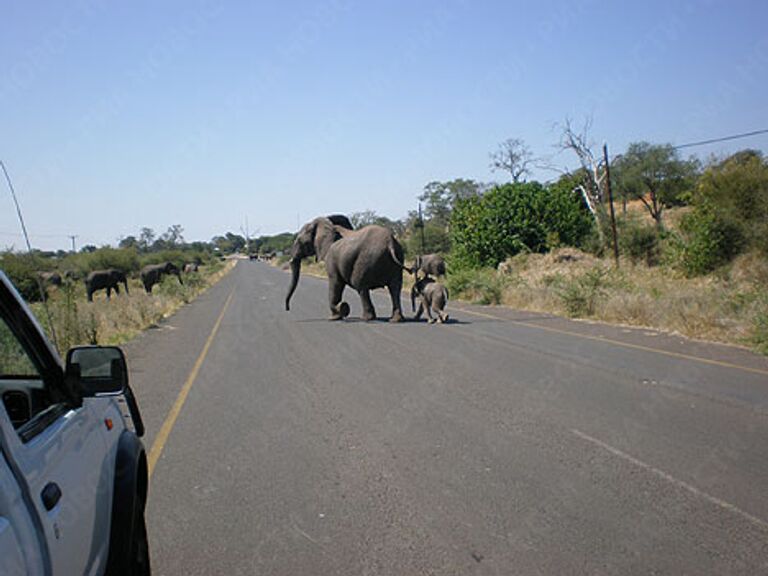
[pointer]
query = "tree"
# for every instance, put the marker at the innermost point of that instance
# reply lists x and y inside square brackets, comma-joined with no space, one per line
[593,183]
[737,188]
[523,217]
[173,236]
[439,197]
[146,238]
[513,156]
[129,242]
[655,175]
[368,217]
[229,243]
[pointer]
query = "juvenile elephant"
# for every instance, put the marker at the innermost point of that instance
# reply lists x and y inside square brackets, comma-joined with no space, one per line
[191,267]
[430,264]
[434,297]
[364,259]
[105,279]
[153,273]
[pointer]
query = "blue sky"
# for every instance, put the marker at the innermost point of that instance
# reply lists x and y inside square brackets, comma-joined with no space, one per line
[116,115]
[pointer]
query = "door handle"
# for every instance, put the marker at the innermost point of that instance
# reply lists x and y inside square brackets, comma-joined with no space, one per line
[51,495]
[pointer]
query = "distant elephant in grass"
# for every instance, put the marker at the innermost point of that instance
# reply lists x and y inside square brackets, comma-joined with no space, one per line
[153,274]
[434,297]
[192,267]
[50,278]
[364,259]
[430,264]
[105,279]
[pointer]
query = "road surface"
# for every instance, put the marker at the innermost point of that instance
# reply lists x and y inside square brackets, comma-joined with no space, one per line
[501,443]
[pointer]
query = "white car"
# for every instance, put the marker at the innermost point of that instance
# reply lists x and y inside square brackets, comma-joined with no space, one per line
[73,471]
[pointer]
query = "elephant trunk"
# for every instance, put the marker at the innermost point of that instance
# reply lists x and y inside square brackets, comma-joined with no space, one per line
[295,272]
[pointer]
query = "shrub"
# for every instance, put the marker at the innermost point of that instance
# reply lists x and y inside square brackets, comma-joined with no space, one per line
[484,286]
[708,241]
[580,295]
[759,335]
[738,188]
[22,270]
[515,218]
[639,242]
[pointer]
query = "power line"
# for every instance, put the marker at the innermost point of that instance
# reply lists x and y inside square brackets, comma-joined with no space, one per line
[723,139]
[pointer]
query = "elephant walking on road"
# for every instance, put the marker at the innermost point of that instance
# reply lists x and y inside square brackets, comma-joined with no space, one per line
[105,279]
[153,274]
[430,264]
[364,259]
[434,297]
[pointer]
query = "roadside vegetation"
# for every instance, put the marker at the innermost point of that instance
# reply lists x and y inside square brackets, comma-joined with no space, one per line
[75,321]
[692,246]
[692,239]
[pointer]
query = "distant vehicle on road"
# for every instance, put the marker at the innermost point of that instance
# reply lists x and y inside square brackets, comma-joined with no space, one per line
[73,470]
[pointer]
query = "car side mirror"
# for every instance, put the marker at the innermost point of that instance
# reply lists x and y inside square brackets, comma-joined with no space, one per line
[97,369]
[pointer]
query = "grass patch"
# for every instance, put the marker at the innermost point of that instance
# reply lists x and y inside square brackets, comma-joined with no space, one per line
[730,305]
[111,322]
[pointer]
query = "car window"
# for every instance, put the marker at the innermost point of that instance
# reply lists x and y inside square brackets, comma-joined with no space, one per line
[14,361]
[22,389]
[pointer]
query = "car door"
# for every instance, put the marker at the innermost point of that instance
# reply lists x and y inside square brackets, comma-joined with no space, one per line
[54,443]
[22,550]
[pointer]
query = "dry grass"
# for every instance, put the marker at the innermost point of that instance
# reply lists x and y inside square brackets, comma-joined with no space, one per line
[78,321]
[726,307]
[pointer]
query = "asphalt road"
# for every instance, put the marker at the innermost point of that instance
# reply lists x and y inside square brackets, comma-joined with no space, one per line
[500,443]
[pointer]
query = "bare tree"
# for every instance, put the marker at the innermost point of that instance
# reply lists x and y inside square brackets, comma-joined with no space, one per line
[579,143]
[515,157]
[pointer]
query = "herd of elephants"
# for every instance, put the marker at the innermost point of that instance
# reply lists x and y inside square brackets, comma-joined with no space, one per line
[364,259]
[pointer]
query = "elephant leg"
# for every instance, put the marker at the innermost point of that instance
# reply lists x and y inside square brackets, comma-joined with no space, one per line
[394,293]
[369,312]
[339,309]
[109,292]
[117,289]
[419,312]
[429,313]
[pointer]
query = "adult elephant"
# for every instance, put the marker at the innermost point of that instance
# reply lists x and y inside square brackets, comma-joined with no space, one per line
[50,278]
[153,274]
[108,279]
[364,259]
[430,264]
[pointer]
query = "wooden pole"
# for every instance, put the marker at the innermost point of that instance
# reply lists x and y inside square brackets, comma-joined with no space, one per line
[610,203]
[421,225]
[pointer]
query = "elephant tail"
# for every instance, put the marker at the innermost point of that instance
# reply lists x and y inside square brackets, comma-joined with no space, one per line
[396,258]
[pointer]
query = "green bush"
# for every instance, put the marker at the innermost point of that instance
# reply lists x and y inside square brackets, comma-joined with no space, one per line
[580,295]
[22,270]
[639,242]
[523,217]
[738,188]
[759,336]
[708,241]
[484,286]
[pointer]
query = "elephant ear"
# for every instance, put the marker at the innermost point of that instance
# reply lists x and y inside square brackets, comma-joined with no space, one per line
[341,220]
[325,235]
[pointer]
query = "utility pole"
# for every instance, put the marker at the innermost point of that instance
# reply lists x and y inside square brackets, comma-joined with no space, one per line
[247,237]
[421,225]
[72,237]
[610,202]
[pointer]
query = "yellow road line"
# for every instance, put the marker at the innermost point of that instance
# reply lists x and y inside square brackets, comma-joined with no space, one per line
[620,343]
[170,420]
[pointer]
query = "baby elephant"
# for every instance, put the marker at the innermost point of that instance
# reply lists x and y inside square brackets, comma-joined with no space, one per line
[434,297]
